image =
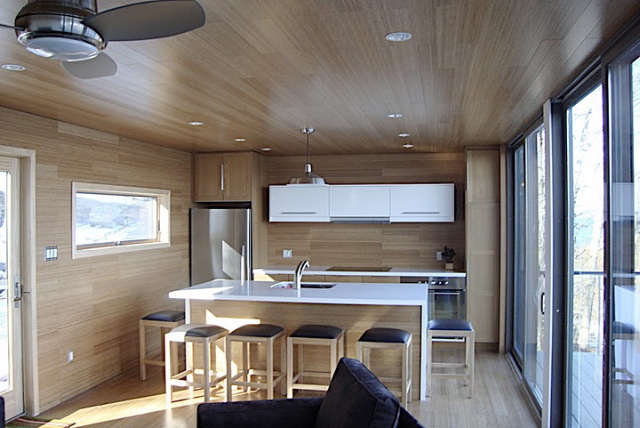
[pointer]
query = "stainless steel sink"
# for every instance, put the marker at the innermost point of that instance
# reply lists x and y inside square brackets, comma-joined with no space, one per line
[289,284]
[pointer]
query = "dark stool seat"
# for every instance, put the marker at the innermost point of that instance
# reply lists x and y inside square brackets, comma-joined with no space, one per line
[255,334]
[392,339]
[389,335]
[317,331]
[317,335]
[257,330]
[166,316]
[204,334]
[449,324]
[164,320]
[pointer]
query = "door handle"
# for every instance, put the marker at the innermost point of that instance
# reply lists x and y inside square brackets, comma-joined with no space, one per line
[542,302]
[17,288]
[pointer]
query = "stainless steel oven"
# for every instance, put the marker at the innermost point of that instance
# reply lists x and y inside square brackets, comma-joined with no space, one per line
[447,295]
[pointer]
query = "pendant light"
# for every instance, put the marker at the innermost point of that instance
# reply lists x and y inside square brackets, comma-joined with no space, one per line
[307,177]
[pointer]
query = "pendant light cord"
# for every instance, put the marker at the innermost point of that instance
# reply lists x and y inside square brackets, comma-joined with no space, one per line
[308,156]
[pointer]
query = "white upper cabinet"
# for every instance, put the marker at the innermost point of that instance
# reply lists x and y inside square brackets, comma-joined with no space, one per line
[299,203]
[359,203]
[422,203]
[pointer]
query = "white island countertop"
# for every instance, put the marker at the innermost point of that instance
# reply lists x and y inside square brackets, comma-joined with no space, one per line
[330,270]
[344,293]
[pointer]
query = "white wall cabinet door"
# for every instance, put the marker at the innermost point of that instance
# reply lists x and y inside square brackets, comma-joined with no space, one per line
[422,203]
[299,203]
[359,201]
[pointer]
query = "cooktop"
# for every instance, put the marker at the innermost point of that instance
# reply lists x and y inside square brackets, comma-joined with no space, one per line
[359,269]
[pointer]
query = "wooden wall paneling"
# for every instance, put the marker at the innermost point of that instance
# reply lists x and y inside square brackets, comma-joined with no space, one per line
[483,249]
[92,305]
[399,244]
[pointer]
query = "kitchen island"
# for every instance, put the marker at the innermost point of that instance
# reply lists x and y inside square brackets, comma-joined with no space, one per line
[353,307]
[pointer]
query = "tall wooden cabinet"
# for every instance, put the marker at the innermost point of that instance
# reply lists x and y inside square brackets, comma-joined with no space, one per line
[235,177]
[483,242]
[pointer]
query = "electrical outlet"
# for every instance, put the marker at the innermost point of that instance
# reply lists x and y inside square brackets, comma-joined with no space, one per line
[439,255]
[70,356]
[287,254]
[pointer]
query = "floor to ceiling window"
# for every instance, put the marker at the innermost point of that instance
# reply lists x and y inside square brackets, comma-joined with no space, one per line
[528,259]
[585,270]
[624,302]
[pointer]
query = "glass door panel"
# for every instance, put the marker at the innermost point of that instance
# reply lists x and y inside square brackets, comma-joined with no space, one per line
[585,261]
[519,233]
[535,263]
[10,306]
[624,309]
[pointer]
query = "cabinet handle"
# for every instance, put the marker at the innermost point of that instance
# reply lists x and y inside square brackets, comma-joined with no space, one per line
[298,212]
[542,302]
[222,176]
[421,212]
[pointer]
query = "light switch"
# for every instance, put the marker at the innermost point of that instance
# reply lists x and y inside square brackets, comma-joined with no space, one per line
[287,254]
[51,253]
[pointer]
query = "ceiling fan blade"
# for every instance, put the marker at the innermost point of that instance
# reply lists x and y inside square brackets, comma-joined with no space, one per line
[11,26]
[148,20]
[100,66]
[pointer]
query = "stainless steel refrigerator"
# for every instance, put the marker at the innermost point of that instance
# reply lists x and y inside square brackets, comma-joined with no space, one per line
[220,244]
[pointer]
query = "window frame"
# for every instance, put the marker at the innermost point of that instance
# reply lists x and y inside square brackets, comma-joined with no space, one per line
[163,198]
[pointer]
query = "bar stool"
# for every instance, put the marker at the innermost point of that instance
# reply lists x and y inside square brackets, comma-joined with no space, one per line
[451,329]
[164,320]
[310,334]
[204,334]
[265,334]
[389,338]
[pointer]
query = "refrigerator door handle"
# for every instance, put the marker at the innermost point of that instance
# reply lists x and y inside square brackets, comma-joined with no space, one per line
[243,264]
[222,177]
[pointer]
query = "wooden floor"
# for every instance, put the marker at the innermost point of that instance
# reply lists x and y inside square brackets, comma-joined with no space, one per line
[127,402]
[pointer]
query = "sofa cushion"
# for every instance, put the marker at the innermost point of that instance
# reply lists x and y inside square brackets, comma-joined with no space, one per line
[290,413]
[357,399]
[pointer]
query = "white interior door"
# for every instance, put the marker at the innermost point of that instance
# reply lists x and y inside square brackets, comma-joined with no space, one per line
[11,379]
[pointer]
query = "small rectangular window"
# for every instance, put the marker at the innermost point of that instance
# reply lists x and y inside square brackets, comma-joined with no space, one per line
[112,219]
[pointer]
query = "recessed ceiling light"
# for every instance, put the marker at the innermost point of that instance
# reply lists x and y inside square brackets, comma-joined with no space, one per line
[403,135]
[13,67]
[407,146]
[394,115]
[196,123]
[266,149]
[399,36]
[239,140]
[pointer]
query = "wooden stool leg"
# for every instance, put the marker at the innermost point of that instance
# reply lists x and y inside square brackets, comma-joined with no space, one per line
[334,356]
[246,355]
[471,360]
[301,363]
[228,348]
[167,373]
[359,351]
[283,365]
[206,362]
[289,368]
[190,376]
[270,369]
[143,350]
[410,373]
[405,371]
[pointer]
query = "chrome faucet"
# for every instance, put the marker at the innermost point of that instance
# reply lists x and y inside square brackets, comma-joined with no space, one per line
[297,276]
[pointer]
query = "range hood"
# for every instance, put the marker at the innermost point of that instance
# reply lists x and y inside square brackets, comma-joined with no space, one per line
[362,220]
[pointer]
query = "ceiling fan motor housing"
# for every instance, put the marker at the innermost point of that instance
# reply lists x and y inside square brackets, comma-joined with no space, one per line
[55,29]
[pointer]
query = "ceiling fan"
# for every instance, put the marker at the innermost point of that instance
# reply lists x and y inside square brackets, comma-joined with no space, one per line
[74,33]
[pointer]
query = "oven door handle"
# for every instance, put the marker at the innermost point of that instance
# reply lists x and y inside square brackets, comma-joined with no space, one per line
[445,293]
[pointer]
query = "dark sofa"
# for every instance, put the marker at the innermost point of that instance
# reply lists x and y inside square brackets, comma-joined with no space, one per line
[1,412]
[355,399]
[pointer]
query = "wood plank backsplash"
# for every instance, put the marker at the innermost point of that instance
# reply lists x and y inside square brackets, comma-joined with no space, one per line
[376,245]
[92,305]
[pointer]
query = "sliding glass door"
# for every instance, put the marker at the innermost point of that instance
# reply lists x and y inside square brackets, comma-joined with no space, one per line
[585,270]
[624,297]
[528,259]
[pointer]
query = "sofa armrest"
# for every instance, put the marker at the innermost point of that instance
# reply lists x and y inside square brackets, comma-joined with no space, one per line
[1,412]
[408,421]
[290,413]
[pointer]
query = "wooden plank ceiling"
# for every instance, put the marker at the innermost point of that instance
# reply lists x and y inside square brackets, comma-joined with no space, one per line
[475,72]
